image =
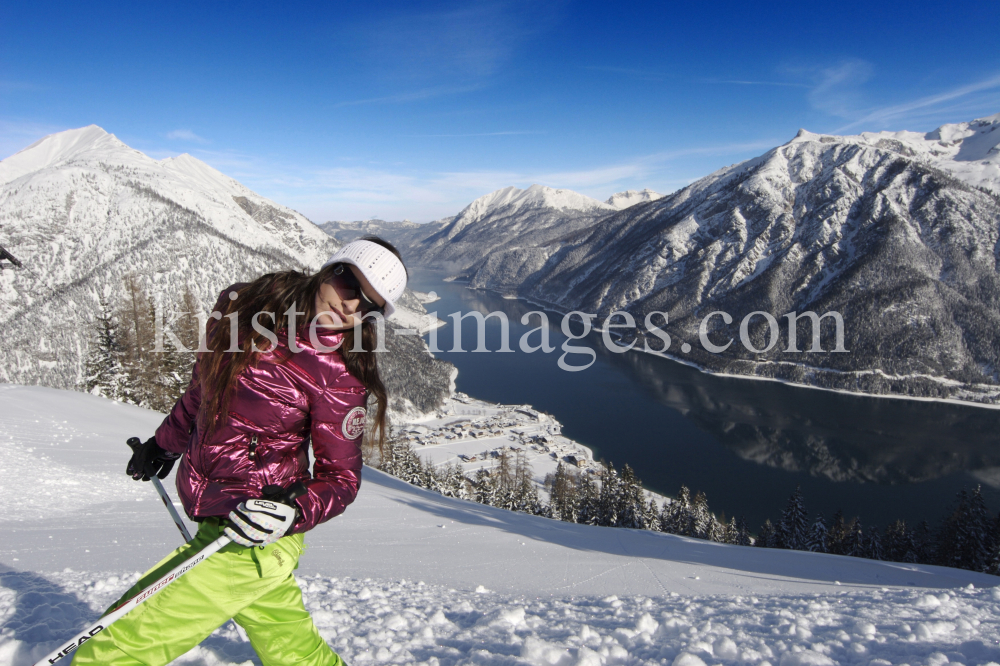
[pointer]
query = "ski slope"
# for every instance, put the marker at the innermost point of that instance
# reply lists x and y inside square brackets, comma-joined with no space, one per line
[407,576]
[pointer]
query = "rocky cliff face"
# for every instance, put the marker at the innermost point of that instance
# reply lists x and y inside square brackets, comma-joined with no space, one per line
[890,230]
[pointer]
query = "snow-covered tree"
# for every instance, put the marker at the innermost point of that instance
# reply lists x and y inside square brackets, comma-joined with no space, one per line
[794,526]
[105,373]
[676,517]
[873,545]
[817,536]
[742,535]
[838,534]
[856,540]
[766,535]
[631,503]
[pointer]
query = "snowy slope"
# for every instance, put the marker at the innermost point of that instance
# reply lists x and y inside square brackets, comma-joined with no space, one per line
[407,576]
[622,200]
[81,209]
[969,151]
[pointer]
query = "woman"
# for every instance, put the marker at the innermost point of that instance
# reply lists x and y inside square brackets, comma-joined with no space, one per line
[286,372]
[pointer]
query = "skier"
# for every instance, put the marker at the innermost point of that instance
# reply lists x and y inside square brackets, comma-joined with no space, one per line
[257,398]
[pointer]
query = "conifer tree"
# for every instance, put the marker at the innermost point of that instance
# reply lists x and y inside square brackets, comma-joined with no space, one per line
[701,522]
[525,493]
[855,539]
[105,373]
[631,505]
[587,501]
[716,530]
[793,529]
[729,531]
[924,540]
[651,519]
[873,545]
[898,544]
[837,536]
[563,494]
[742,537]
[485,489]
[677,517]
[993,564]
[610,498]
[765,537]
[454,483]
[816,541]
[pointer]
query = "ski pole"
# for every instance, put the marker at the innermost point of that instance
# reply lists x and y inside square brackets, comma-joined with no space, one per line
[293,491]
[134,442]
[128,605]
[170,507]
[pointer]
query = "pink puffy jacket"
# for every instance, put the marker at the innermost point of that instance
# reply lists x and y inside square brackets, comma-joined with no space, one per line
[276,410]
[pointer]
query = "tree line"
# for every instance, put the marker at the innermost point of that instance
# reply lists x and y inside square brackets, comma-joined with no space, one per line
[127,359]
[967,538]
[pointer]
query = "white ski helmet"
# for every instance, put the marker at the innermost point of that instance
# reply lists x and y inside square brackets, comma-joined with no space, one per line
[382,268]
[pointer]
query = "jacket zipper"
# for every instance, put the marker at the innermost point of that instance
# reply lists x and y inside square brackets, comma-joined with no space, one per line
[253,448]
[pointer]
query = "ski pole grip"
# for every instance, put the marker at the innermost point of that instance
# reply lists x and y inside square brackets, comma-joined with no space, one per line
[133,442]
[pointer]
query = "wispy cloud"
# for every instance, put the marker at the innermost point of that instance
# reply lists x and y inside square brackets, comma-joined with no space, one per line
[185,135]
[473,134]
[412,96]
[785,84]
[469,41]
[885,115]
[837,89]
[361,192]
[631,72]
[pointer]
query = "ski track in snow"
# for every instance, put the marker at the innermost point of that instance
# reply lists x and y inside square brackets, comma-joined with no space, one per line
[409,577]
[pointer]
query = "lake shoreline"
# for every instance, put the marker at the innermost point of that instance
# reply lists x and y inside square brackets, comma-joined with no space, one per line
[731,375]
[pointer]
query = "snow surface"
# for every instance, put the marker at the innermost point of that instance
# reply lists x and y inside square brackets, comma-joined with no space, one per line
[408,576]
[969,151]
[535,196]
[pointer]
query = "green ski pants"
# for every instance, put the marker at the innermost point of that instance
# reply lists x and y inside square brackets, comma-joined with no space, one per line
[253,586]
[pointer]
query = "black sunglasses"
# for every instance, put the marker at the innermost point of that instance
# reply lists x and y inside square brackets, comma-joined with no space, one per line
[350,280]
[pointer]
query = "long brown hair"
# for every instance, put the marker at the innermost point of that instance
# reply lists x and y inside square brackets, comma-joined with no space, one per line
[277,293]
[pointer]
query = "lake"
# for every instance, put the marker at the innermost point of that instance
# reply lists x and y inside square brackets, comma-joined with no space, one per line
[746,443]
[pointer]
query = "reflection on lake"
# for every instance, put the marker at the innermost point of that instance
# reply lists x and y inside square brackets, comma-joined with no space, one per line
[745,443]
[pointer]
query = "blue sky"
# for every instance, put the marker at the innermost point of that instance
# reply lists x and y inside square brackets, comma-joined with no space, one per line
[413,109]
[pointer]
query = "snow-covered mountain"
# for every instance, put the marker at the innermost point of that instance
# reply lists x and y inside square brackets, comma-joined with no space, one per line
[407,576]
[80,209]
[345,232]
[898,232]
[622,200]
[969,151]
[509,222]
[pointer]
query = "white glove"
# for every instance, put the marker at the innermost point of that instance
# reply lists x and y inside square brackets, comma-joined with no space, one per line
[258,522]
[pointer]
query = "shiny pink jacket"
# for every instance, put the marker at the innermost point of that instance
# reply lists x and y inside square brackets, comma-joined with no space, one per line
[276,411]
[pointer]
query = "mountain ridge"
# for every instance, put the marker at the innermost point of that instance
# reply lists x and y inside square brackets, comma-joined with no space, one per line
[897,238]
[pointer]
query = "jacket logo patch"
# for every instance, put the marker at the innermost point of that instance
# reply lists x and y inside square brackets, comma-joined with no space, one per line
[354,423]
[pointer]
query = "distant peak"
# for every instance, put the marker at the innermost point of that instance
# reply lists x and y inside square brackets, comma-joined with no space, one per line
[56,148]
[621,200]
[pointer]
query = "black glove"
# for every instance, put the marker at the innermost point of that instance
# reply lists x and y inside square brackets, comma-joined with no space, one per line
[287,496]
[149,460]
